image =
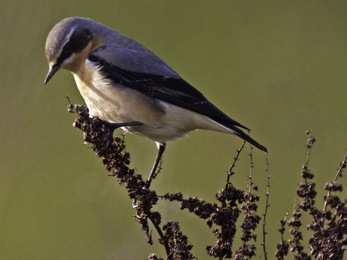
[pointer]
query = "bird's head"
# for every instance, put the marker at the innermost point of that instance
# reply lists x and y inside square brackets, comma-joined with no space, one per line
[68,44]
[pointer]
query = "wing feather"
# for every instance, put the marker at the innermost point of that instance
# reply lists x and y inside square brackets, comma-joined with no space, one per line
[175,91]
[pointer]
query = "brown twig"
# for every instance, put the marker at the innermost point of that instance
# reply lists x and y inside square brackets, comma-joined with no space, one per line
[282,247]
[309,144]
[342,165]
[251,165]
[230,172]
[161,235]
[266,207]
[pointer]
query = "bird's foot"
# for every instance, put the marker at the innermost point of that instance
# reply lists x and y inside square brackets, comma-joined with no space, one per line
[145,189]
[114,126]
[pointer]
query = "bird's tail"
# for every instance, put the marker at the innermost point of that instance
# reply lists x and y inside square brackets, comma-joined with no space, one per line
[248,139]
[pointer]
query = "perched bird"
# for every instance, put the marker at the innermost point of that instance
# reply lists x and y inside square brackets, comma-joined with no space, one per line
[128,86]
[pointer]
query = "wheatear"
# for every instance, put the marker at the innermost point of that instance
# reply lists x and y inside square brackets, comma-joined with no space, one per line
[122,82]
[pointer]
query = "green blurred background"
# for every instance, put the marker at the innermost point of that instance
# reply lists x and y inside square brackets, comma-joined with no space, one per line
[278,67]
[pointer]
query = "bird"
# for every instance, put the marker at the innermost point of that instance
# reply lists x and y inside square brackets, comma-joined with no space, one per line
[128,86]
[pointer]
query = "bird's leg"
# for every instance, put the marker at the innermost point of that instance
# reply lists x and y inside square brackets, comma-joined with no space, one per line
[114,126]
[161,147]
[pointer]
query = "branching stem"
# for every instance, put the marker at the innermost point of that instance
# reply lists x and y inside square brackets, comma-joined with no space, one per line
[334,181]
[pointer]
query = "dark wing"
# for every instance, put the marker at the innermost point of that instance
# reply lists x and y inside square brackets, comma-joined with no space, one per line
[175,91]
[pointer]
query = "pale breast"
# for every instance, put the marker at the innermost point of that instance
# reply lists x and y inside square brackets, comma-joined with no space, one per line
[117,104]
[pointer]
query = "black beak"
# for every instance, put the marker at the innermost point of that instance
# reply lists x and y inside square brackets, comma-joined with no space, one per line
[51,72]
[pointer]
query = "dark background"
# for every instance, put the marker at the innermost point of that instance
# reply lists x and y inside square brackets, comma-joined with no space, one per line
[277,67]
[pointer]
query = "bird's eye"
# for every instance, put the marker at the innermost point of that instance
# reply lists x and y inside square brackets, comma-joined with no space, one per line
[78,41]
[66,53]
[67,47]
[88,35]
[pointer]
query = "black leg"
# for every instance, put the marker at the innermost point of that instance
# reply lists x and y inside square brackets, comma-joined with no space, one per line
[114,126]
[161,148]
